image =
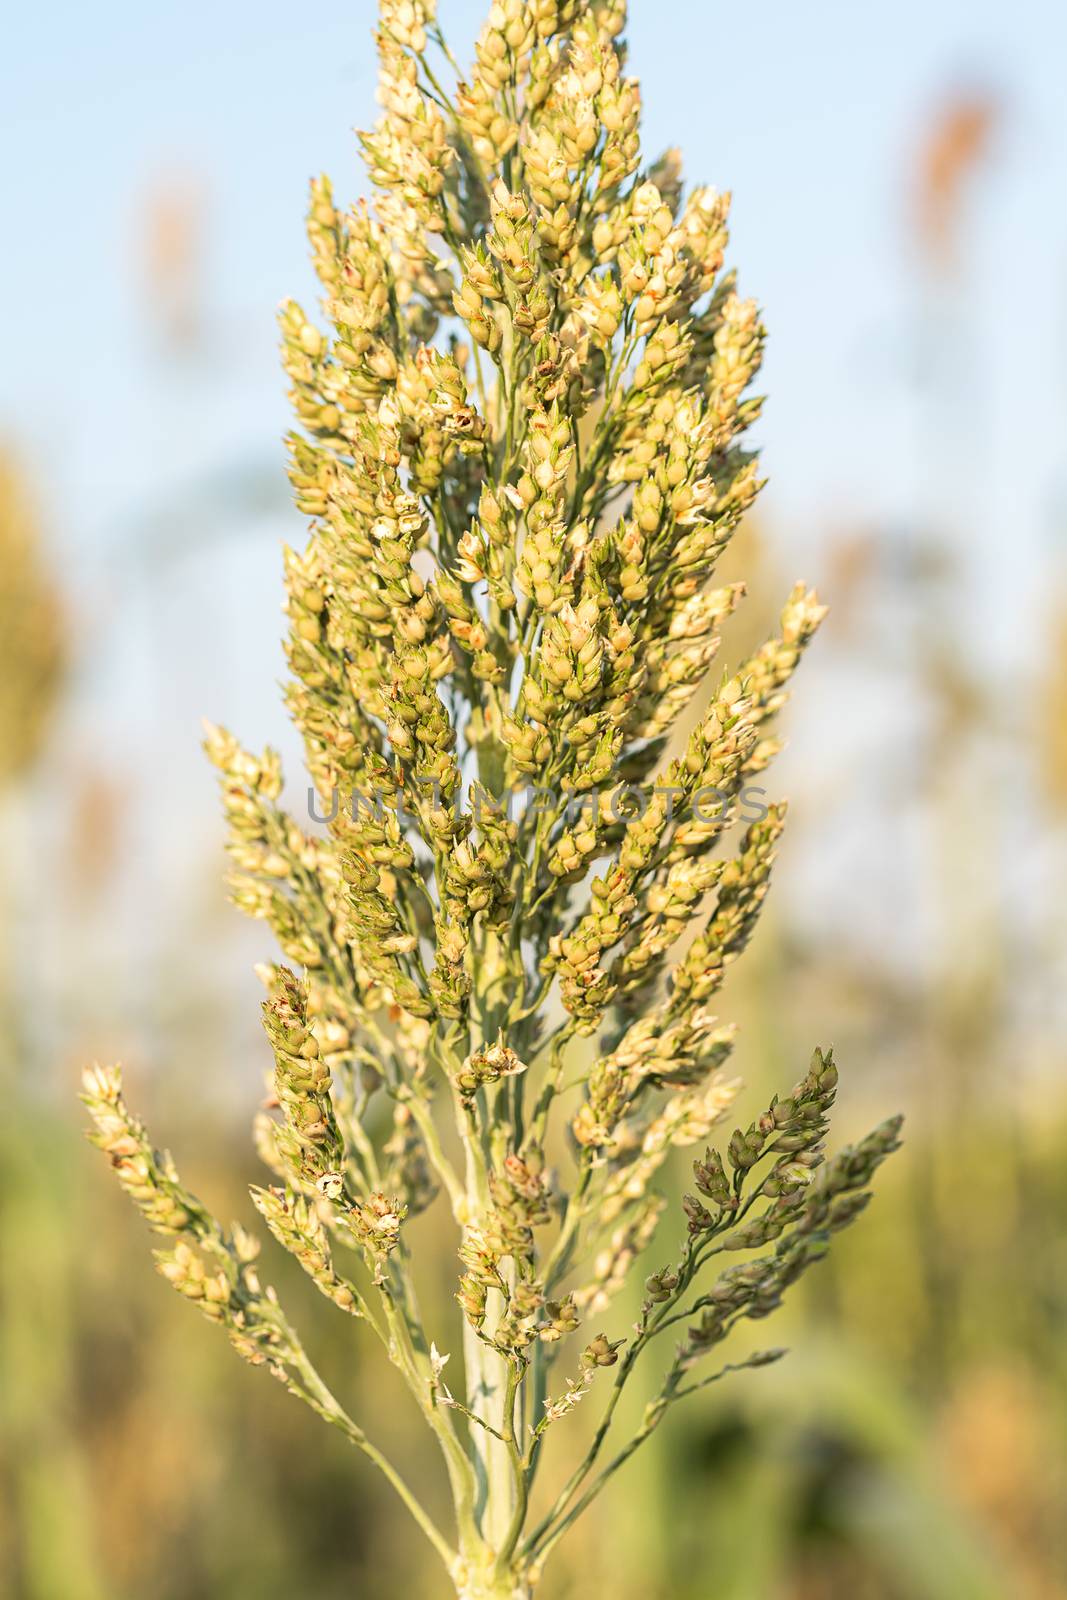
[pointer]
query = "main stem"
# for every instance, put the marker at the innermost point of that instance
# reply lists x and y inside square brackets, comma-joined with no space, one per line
[487,1373]
[490,1585]
[486,1387]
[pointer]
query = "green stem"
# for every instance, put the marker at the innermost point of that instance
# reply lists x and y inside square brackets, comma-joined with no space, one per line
[422,1112]
[490,1390]
[314,1390]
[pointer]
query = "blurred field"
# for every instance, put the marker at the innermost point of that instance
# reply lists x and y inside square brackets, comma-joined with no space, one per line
[914,1444]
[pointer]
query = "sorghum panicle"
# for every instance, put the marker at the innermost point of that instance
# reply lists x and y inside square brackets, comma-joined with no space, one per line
[521,442]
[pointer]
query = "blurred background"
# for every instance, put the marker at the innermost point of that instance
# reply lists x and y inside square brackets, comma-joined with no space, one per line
[899,177]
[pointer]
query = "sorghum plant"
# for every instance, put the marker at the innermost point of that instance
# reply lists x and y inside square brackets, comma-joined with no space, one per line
[504,606]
